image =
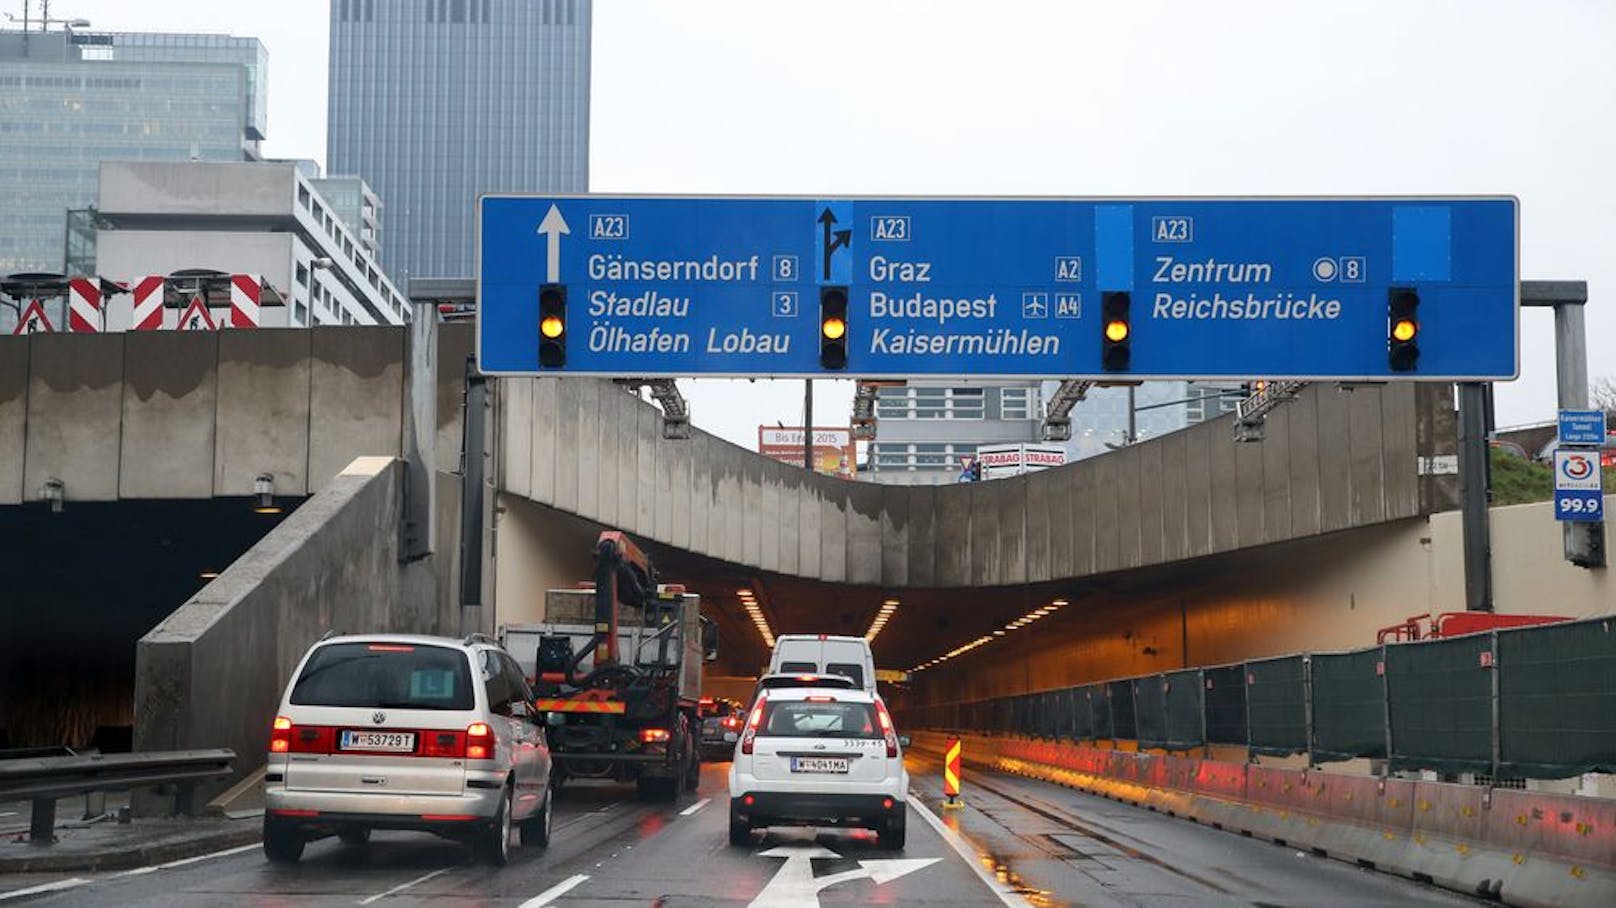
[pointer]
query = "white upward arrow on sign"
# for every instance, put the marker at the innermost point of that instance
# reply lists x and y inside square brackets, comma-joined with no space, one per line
[795,885]
[553,226]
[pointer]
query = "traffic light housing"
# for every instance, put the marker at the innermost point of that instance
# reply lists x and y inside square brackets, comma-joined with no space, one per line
[553,326]
[1402,329]
[1116,331]
[833,327]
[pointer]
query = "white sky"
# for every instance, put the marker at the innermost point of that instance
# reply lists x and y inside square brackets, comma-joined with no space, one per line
[1068,98]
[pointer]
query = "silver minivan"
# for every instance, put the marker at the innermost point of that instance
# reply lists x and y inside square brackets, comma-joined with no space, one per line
[407,732]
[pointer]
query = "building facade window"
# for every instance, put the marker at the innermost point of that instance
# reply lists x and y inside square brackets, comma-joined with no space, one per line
[1015,403]
[930,403]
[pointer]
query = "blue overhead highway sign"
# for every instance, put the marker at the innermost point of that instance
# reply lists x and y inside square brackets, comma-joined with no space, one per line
[1348,289]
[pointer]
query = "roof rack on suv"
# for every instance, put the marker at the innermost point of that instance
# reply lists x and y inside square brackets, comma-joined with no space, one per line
[479,637]
[329,633]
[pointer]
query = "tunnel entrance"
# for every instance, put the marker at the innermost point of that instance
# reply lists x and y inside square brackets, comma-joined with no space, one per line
[78,589]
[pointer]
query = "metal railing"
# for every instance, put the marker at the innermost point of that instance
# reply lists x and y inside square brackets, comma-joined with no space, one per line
[44,779]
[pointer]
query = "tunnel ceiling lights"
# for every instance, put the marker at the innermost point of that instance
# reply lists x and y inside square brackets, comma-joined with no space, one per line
[888,608]
[1043,611]
[755,611]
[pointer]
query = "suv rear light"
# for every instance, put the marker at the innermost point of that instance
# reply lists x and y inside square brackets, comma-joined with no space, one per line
[443,744]
[654,736]
[313,739]
[887,730]
[280,735]
[752,723]
[732,721]
[479,741]
[820,699]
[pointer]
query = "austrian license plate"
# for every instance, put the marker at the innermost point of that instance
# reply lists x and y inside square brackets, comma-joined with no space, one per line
[819,764]
[389,741]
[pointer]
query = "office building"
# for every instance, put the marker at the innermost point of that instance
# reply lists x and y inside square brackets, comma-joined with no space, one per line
[1100,420]
[70,100]
[924,429]
[256,218]
[435,102]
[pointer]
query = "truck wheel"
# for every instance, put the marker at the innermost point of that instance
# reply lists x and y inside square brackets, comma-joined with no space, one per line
[692,768]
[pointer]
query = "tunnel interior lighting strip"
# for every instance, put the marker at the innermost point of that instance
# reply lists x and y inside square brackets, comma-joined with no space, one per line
[1043,611]
[888,607]
[755,612]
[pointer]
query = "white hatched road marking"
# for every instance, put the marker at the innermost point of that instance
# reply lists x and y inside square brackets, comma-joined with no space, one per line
[554,892]
[967,854]
[43,888]
[403,886]
[694,807]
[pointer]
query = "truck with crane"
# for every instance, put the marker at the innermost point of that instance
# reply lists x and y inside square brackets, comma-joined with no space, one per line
[616,671]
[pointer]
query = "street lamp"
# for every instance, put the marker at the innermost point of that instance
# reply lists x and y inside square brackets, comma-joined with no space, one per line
[264,489]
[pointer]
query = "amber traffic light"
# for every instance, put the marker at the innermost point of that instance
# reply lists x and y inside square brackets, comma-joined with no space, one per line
[553,326]
[1116,331]
[1402,329]
[833,327]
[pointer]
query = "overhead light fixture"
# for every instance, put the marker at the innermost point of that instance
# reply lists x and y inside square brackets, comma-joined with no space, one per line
[264,494]
[208,575]
[1060,602]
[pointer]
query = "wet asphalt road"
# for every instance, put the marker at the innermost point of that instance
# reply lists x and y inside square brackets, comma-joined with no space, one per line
[1016,842]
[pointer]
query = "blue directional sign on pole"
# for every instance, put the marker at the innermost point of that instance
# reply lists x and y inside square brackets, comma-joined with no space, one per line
[1578,486]
[1345,289]
[1582,427]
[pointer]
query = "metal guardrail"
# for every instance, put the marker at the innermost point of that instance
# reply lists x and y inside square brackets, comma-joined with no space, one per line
[44,779]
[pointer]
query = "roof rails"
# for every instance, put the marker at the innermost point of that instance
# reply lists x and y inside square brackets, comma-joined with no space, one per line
[478,637]
[329,633]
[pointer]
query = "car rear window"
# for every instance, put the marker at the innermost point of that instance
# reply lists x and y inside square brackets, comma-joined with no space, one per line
[385,676]
[811,719]
[799,668]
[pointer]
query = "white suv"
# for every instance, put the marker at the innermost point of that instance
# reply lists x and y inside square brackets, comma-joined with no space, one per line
[818,757]
[406,732]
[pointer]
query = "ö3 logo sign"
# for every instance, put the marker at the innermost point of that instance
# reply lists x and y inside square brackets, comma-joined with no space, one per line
[1577,467]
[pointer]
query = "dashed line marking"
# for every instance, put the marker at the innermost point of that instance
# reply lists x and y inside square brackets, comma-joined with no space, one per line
[57,886]
[403,886]
[138,871]
[694,807]
[554,892]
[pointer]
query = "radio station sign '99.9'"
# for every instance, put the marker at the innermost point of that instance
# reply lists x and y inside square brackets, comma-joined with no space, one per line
[1368,289]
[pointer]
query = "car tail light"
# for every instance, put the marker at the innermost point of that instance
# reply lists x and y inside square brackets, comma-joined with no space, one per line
[752,723]
[820,699]
[442,743]
[479,741]
[887,730]
[390,648]
[732,721]
[280,735]
[654,736]
[312,739]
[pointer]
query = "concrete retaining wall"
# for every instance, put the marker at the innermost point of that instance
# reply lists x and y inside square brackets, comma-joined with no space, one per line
[168,414]
[1523,848]
[212,673]
[1332,460]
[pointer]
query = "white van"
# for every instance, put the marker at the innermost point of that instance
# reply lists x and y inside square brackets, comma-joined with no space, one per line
[824,654]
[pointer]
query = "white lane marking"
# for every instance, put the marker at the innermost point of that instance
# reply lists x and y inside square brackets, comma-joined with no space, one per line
[554,892]
[43,888]
[694,807]
[967,854]
[183,861]
[8,813]
[403,886]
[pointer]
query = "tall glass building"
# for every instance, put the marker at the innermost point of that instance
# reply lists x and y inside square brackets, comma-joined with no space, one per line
[70,100]
[438,101]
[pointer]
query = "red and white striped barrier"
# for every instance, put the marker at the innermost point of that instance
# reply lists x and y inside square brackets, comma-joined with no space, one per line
[83,306]
[148,306]
[245,290]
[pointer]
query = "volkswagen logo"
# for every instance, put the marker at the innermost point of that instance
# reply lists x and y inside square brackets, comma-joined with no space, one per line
[378,717]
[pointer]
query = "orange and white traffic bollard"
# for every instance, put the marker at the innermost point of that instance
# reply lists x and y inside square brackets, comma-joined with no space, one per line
[951,775]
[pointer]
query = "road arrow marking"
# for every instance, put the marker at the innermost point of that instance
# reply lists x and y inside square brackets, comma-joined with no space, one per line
[553,226]
[795,885]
